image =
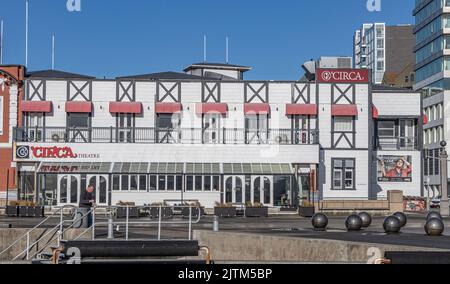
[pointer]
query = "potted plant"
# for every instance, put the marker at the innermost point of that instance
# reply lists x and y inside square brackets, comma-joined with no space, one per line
[307,209]
[225,210]
[195,208]
[256,210]
[133,211]
[166,211]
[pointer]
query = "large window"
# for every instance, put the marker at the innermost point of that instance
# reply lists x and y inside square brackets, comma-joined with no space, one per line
[343,174]
[78,120]
[129,183]
[343,124]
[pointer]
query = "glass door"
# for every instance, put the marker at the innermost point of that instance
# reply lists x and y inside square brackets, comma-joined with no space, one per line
[100,184]
[262,192]
[234,192]
[407,134]
[35,127]
[125,127]
[68,190]
[211,128]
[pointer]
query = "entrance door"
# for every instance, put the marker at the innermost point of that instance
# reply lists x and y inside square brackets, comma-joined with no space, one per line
[211,128]
[68,190]
[407,134]
[262,190]
[234,192]
[100,184]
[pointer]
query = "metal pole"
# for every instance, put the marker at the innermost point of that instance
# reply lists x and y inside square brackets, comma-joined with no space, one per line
[110,227]
[216,224]
[26,33]
[204,49]
[190,222]
[28,245]
[7,186]
[126,223]
[159,223]
[93,223]
[53,52]
[1,42]
[445,209]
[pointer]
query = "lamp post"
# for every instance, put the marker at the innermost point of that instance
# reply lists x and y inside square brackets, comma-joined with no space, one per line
[445,205]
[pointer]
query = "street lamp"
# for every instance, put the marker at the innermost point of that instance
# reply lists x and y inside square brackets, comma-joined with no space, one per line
[445,205]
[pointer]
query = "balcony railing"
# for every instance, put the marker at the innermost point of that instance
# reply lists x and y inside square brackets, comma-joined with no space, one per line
[166,136]
[397,143]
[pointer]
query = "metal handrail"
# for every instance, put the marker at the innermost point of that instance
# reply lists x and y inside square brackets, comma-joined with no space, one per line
[27,234]
[160,222]
[60,233]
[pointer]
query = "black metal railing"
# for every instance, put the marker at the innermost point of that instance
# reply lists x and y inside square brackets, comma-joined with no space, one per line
[166,136]
[397,143]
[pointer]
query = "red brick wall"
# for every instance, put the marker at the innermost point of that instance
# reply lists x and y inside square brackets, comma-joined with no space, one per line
[6,151]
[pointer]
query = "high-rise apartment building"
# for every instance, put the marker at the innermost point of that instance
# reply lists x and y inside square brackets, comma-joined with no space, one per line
[383,49]
[432,49]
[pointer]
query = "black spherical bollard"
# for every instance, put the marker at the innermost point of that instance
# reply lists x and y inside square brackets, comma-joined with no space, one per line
[433,215]
[354,223]
[320,222]
[366,218]
[434,227]
[402,218]
[392,225]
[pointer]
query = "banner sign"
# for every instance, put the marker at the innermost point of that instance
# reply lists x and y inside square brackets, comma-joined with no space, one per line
[342,76]
[395,169]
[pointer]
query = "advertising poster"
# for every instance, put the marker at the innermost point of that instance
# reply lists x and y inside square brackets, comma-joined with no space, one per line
[395,169]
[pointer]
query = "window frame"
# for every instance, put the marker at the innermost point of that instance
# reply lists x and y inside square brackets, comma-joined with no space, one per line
[343,171]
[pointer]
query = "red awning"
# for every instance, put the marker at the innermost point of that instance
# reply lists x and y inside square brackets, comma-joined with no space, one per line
[375,114]
[79,107]
[256,108]
[203,108]
[125,107]
[37,106]
[344,110]
[168,107]
[299,109]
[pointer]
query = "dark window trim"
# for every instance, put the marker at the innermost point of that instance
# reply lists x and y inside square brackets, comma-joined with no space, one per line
[333,160]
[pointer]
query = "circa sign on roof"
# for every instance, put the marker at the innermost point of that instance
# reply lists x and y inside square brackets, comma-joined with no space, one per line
[342,75]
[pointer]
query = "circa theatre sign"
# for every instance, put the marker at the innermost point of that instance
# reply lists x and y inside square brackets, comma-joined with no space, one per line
[342,75]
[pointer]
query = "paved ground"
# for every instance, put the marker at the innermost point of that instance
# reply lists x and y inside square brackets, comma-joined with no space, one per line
[290,225]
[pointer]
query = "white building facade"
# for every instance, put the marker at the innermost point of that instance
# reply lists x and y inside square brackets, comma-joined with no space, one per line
[209,136]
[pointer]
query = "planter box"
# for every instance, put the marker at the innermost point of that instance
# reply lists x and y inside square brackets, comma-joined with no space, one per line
[26,211]
[257,212]
[185,212]
[132,213]
[39,212]
[306,211]
[225,212]
[166,212]
[12,211]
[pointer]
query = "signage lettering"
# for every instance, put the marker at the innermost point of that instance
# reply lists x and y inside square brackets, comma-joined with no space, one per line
[343,75]
[53,152]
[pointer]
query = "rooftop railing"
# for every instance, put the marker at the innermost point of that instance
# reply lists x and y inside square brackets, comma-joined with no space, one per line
[166,136]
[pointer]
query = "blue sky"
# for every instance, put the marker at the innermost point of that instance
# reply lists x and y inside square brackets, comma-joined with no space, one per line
[110,38]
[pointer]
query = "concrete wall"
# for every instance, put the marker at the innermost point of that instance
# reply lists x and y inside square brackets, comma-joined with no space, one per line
[251,247]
